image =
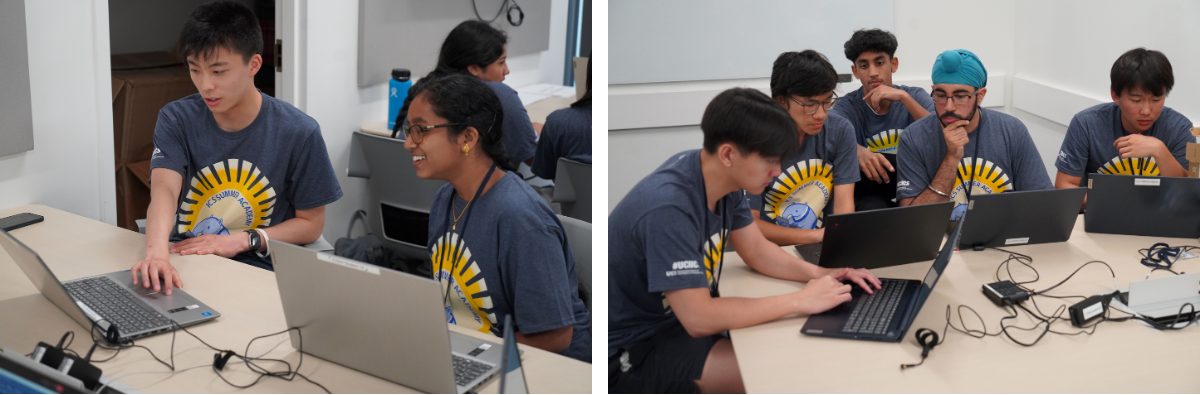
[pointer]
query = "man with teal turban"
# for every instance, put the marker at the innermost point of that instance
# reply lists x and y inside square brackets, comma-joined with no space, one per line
[963,144]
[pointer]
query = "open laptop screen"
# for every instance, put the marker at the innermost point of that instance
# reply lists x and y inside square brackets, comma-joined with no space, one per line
[512,377]
[939,266]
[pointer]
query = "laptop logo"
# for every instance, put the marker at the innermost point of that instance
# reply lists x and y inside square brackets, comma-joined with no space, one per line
[206,314]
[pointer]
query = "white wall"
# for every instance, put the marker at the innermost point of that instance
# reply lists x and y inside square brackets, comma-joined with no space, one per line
[71,166]
[1069,47]
[334,99]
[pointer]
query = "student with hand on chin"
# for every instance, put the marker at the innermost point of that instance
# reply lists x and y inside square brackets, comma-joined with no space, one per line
[1136,134]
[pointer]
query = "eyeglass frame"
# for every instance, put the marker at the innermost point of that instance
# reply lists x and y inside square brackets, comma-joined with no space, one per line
[833,99]
[933,96]
[419,131]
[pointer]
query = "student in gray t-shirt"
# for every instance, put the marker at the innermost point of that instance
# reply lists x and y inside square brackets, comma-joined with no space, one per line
[964,144]
[666,242]
[232,167]
[819,179]
[1135,134]
[879,111]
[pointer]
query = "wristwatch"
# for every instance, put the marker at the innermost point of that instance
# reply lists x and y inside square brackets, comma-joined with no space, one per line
[255,240]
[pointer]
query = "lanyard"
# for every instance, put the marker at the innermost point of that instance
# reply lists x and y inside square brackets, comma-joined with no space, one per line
[458,246]
[714,288]
[974,160]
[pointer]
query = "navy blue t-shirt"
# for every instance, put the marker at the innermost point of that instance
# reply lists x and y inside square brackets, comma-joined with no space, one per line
[567,134]
[662,237]
[510,256]
[253,178]
[1088,147]
[880,133]
[802,195]
[1007,159]
[519,137]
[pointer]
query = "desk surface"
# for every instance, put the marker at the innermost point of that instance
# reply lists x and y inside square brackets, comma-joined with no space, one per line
[538,111]
[1125,357]
[247,297]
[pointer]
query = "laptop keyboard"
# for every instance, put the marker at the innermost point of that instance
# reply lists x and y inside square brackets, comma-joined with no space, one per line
[467,370]
[115,304]
[873,313]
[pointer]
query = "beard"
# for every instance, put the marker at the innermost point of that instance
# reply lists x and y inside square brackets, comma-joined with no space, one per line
[974,108]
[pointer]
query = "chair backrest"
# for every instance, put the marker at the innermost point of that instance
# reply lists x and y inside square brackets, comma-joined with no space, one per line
[397,201]
[579,235]
[573,189]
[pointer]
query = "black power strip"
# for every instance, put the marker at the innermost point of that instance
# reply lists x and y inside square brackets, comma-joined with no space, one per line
[1005,293]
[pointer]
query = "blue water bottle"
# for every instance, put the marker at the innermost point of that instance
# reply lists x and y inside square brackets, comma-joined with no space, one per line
[397,91]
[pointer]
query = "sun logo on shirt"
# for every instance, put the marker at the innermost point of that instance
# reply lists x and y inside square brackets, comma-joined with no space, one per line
[1131,166]
[470,302]
[797,197]
[224,198]
[714,248]
[989,178]
[886,142]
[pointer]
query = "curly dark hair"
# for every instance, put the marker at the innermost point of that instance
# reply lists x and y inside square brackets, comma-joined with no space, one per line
[873,40]
[466,100]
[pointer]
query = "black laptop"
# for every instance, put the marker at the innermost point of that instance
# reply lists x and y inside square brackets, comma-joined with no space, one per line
[1017,218]
[880,238]
[886,314]
[1143,206]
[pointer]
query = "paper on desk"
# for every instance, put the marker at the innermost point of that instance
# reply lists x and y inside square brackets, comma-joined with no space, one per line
[534,93]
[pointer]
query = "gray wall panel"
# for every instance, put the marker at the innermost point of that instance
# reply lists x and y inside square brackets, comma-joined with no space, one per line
[16,106]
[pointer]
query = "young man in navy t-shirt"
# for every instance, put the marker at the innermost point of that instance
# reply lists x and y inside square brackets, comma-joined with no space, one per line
[666,243]
[1136,134]
[879,111]
[818,179]
[232,167]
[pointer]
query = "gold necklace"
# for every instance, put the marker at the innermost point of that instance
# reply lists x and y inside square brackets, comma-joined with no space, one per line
[460,214]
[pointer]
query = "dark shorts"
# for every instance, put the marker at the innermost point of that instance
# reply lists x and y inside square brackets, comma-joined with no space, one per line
[668,363]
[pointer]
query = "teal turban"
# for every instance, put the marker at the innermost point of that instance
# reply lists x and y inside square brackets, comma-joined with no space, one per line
[959,67]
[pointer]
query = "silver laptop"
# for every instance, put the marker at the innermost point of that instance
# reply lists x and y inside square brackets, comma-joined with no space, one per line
[1163,297]
[378,321]
[109,299]
[512,377]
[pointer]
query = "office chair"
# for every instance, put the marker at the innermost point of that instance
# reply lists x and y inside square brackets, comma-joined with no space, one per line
[573,189]
[397,201]
[579,235]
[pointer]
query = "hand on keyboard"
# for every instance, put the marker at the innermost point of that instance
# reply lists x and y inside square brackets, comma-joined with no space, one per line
[823,294]
[863,277]
[149,271]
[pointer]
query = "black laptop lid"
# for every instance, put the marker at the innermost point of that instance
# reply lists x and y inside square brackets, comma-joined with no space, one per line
[1143,206]
[1028,217]
[935,273]
[885,237]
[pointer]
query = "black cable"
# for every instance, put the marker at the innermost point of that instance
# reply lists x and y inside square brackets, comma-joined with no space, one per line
[504,8]
[287,375]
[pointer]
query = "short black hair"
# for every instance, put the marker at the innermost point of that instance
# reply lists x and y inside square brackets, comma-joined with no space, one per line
[802,74]
[221,23]
[464,99]
[472,42]
[1142,68]
[752,122]
[873,40]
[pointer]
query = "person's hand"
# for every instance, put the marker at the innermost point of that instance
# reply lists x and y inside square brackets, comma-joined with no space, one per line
[221,245]
[881,96]
[150,270]
[874,165]
[1139,146]
[956,137]
[862,277]
[822,294]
